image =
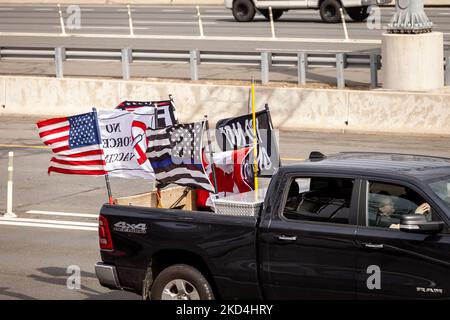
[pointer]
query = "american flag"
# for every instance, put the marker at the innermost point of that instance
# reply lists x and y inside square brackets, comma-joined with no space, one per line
[75,143]
[176,157]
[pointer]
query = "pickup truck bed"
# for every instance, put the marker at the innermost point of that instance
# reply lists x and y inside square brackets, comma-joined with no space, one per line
[221,247]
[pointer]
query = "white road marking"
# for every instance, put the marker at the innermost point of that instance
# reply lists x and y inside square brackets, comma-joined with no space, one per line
[171,7]
[43,225]
[217,11]
[6,9]
[172,10]
[215,16]
[217,38]
[58,222]
[65,214]
[106,28]
[44,9]
[172,22]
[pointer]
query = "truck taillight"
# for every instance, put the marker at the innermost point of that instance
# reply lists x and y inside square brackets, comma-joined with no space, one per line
[104,236]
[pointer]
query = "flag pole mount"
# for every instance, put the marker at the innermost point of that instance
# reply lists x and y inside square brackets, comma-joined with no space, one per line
[108,184]
[213,168]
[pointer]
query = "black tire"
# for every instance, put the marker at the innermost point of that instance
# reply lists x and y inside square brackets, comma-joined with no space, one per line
[191,278]
[276,13]
[358,13]
[243,10]
[329,11]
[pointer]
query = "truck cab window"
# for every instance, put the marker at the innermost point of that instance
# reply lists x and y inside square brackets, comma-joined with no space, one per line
[319,199]
[386,203]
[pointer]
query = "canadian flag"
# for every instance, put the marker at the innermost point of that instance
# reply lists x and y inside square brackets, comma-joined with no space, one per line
[234,174]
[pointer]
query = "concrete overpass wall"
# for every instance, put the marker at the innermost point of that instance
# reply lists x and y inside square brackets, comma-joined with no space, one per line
[292,108]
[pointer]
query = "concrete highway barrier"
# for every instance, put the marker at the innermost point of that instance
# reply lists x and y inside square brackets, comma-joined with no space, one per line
[292,108]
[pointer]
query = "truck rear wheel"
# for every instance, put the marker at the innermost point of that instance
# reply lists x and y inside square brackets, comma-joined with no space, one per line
[243,10]
[329,11]
[358,13]
[276,13]
[181,282]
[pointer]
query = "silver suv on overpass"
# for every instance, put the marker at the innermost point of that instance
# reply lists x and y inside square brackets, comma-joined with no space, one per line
[244,10]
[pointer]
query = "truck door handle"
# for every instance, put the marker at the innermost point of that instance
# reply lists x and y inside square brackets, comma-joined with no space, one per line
[287,238]
[372,245]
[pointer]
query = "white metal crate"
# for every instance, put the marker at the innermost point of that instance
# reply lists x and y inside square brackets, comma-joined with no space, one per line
[242,204]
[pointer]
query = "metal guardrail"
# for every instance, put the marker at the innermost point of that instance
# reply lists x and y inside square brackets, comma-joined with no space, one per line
[265,58]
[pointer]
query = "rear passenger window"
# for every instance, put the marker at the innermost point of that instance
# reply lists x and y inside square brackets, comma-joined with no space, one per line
[319,199]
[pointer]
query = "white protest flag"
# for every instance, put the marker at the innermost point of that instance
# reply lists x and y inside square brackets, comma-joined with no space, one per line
[117,143]
[144,120]
[147,121]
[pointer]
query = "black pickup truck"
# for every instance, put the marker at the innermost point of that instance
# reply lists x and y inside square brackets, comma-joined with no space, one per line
[347,226]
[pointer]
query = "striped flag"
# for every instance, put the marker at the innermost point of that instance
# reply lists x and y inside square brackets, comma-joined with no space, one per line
[176,157]
[75,143]
[165,110]
[133,105]
[154,116]
[166,115]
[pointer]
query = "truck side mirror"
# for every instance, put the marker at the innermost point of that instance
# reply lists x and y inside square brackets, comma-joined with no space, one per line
[417,223]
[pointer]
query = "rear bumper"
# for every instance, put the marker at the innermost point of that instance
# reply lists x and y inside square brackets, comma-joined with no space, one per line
[107,275]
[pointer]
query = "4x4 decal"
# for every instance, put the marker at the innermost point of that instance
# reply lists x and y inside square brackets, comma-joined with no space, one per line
[130,228]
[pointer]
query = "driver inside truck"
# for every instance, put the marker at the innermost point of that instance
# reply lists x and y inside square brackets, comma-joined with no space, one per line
[388,214]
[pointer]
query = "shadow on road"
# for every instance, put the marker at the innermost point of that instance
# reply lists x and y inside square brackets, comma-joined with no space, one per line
[62,272]
[6,292]
[58,276]
[115,295]
[292,20]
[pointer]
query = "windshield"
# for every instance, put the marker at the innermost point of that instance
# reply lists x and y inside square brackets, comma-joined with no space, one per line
[441,188]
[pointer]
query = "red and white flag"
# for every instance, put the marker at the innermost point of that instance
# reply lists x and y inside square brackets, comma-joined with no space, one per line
[75,142]
[234,174]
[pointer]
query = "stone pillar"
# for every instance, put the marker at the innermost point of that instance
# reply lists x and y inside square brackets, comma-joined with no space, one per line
[413,62]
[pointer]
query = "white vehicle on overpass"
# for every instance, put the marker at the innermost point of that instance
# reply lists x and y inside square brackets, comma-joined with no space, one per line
[244,10]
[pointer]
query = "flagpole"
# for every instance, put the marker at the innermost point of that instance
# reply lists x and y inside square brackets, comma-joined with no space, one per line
[249,102]
[108,185]
[266,106]
[213,168]
[255,142]
[158,189]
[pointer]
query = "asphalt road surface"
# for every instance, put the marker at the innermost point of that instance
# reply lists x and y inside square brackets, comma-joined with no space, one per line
[108,27]
[57,214]
[183,21]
